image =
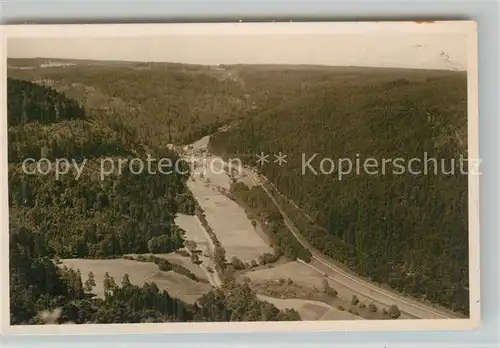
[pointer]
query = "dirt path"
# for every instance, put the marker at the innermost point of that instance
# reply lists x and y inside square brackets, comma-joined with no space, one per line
[357,284]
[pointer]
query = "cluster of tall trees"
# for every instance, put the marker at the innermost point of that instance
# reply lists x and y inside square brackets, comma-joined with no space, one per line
[260,204]
[404,229]
[239,303]
[126,213]
[88,218]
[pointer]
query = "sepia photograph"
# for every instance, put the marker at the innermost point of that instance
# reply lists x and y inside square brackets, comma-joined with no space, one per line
[223,177]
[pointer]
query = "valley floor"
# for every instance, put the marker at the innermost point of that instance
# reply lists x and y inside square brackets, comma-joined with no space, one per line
[286,284]
[317,270]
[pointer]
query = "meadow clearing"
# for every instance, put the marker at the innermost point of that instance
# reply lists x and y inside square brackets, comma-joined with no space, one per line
[228,220]
[178,286]
[305,281]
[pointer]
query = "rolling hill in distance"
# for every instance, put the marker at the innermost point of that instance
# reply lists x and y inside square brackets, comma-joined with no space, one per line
[407,233]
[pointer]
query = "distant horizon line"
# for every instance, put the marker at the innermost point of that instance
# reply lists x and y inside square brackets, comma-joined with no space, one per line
[238,64]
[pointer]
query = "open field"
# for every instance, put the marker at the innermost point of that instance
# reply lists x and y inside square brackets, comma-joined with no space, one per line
[177,285]
[298,272]
[229,222]
[211,170]
[201,143]
[260,231]
[310,310]
[227,219]
[307,283]
[196,233]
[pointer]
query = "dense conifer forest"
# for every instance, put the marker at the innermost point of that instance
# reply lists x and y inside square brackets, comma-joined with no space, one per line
[408,231]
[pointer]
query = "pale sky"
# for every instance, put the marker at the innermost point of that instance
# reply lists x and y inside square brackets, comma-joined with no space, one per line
[408,50]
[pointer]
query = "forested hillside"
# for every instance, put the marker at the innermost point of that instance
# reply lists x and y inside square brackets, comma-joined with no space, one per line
[91,218]
[164,103]
[408,231]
